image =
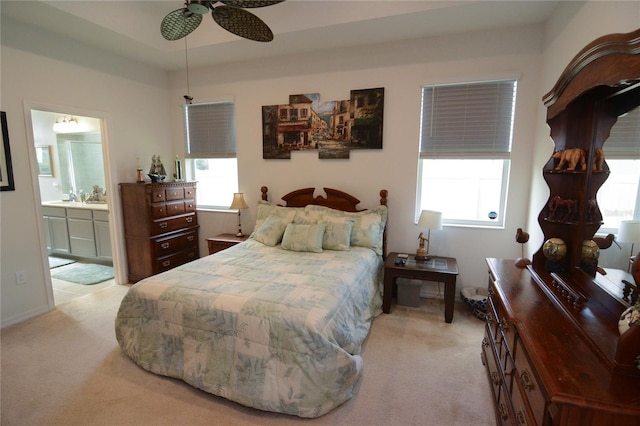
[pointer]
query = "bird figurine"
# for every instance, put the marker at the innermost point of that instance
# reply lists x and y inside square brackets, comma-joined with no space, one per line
[605,243]
[522,237]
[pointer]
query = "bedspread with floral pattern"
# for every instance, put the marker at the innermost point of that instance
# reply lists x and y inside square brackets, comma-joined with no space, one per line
[268,328]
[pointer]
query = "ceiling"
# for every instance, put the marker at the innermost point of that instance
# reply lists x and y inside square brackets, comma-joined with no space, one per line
[132,28]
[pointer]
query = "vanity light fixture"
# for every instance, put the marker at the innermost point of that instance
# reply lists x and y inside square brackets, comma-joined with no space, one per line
[239,203]
[66,124]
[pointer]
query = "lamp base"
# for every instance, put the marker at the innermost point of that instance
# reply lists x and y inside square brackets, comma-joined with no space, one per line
[422,255]
[239,234]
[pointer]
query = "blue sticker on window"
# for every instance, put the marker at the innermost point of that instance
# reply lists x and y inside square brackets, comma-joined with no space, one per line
[493,215]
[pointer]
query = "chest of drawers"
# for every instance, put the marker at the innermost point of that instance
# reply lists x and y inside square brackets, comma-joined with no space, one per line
[542,367]
[161,226]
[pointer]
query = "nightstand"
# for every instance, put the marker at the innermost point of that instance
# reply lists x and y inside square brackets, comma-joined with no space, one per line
[223,241]
[438,269]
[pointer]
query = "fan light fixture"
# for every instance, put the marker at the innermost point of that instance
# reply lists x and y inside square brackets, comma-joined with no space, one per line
[231,16]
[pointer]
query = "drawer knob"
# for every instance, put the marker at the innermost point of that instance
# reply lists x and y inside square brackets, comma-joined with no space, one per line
[190,238]
[163,225]
[166,263]
[164,245]
[526,380]
[159,195]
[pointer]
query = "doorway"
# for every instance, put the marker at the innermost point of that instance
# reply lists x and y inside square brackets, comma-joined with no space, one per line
[70,151]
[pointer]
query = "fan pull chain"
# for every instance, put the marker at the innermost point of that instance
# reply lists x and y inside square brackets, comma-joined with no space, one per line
[188,98]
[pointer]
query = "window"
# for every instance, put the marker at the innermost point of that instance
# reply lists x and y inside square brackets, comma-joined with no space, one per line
[619,196]
[465,150]
[211,152]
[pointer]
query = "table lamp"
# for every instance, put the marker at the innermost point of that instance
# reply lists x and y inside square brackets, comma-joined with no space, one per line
[239,203]
[429,220]
[629,232]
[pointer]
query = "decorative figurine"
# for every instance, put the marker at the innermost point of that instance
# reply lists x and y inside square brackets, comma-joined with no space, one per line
[522,237]
[97,196]
[157,172]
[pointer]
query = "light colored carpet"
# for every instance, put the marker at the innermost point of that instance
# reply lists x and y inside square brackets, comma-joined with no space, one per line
[56,262]
[84,273]
[66,368]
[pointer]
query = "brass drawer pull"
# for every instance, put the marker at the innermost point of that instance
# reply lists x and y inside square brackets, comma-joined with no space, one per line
[166,263]
[503,411]
[163,225]
[164,245]
[495,378]
[503,324]
[189,219]
[522,420]
[190,238]
[526,380]
[190,206]
[485,342]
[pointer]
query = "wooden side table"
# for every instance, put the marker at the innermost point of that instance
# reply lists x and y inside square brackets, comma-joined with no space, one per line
[223,241]
[438,269]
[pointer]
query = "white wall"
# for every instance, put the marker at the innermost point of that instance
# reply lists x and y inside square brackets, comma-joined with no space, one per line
[42,70]
[401,68]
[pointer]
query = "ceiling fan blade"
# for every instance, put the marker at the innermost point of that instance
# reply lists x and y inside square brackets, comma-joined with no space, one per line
[179,23]
[248,4]
[242,23]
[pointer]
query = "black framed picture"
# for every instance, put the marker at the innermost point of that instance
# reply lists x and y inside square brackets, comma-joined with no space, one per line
[6,169]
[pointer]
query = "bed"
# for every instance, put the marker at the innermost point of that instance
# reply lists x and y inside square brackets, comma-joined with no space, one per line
[277,322]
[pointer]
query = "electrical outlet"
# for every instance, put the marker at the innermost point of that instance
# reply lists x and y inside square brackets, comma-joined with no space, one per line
[21,277]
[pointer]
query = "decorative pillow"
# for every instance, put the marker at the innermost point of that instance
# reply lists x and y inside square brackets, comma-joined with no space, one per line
[303,237]
[266,209]
[305,217]
[271,231]
[337,235]
[368,225]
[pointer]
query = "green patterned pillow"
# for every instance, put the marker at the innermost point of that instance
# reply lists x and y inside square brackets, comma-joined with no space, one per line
[271,231]
[303,237]
[368,225]
[337,235]
[266,209]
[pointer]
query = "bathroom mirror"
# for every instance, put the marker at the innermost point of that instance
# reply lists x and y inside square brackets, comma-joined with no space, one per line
[81,163]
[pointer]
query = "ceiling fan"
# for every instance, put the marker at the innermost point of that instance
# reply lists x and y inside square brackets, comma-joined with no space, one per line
[230,15]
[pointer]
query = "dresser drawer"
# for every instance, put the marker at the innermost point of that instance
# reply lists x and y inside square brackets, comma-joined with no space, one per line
[174,194]
[528,382]
[522,414]
[189,206]
[158,210]
[175,243]
[159,227]
[157,195]
[180,258]
[175,208]
[490,357]
[189,192]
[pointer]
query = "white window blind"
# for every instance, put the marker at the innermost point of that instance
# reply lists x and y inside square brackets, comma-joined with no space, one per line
[210,130]
[623,142]
[470,120]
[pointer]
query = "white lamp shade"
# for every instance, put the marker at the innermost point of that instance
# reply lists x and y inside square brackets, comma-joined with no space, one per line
[430,219]
[629,232]
[238,201]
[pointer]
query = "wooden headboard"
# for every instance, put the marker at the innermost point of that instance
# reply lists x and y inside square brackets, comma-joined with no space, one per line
[335,199]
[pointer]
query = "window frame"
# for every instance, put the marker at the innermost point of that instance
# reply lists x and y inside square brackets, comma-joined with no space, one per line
[223,150]
[504,156]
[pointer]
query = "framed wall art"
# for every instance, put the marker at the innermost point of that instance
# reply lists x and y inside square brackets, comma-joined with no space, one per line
[6,169]
[43,155]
